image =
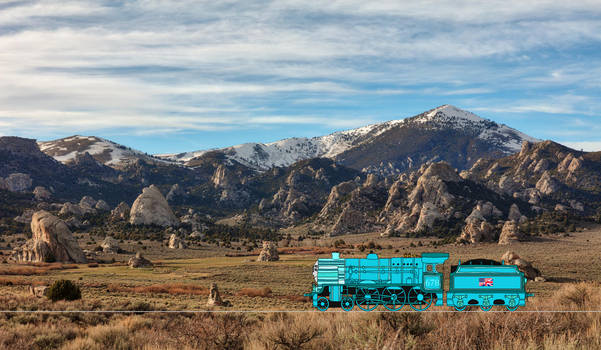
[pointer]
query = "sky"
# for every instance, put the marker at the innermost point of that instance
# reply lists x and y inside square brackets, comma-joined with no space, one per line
[174,76]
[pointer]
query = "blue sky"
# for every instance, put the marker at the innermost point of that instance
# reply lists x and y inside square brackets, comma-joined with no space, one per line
[165,76]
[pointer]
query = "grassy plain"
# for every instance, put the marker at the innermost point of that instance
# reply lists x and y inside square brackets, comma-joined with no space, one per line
[181,278]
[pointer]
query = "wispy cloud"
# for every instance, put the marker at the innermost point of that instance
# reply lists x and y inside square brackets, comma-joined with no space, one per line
[151,66]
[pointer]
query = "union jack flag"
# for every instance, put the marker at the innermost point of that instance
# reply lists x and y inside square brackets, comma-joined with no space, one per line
[485,282]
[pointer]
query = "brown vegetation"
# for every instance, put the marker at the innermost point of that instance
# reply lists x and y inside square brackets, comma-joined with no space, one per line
[167,288]
[255,292]
[356,330]
[33,269]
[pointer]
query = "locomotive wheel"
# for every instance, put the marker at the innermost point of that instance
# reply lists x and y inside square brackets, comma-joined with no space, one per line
[347,303]
[486,307]
[393,299]
[460,308]
[418,300]
[367,299]
[513,305]
[459,304]
[323,304]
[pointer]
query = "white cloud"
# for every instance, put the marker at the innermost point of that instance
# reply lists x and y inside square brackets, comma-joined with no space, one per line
[587,146]
[143,64]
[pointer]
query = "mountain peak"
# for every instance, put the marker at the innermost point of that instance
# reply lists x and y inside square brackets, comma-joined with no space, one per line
[446,112]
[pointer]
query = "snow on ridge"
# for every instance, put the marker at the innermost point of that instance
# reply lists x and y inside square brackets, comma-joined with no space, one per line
[65,150]
[263,156]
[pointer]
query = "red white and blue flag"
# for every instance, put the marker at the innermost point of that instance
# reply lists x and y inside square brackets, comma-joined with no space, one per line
[485,282]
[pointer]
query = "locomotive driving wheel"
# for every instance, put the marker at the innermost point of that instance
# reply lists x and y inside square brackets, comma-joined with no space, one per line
[419,300]
[393,299]
[347,303]
[367,299]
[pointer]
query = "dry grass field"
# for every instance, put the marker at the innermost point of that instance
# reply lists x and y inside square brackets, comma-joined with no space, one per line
[180,280]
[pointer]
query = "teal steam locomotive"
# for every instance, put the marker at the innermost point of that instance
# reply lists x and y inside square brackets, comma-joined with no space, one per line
[416,282]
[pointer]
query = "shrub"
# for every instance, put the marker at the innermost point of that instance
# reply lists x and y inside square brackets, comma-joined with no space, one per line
[63,290]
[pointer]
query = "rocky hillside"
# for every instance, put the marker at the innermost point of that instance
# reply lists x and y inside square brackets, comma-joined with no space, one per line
[547,175]
[445,133]
[432,200]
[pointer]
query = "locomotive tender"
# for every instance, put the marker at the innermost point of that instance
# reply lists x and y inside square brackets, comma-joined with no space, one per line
[415,281]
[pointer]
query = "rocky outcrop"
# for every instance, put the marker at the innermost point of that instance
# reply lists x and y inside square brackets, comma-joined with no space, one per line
[351,207]
[428,201]
[25,218]
[176,242]
[110,245]
[41,193]
[543,174]
[547,184]
[38,291]
[138,261]
[269,252]
[176,193]
[476,231]
[121,212]
[102,205]
[215,298]
[516,215]
[51,241]
[195,220]
[87,202]
[510,233]
[76,210]
[151,208]
[511,258]
[302,190]
[17,182]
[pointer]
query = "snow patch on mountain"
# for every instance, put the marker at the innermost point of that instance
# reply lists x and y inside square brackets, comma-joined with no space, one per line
[263,156]
[65,150]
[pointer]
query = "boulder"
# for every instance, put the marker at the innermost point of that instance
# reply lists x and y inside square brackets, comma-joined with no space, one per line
[38,291]
[214,297]
[121,212]
[87,202]
[110,245]
[139,261]
[102,205]
[175,242]
[269,252]
[18,182]
[41,193]
[511,258]
[75,209]
[510,233]
[151,208]
[560,207]
[51,241]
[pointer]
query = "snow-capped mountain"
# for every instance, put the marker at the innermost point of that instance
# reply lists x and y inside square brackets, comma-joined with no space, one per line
[109,153]
[350,147]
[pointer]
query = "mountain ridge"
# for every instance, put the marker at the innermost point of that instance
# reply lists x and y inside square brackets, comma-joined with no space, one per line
[395,145]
